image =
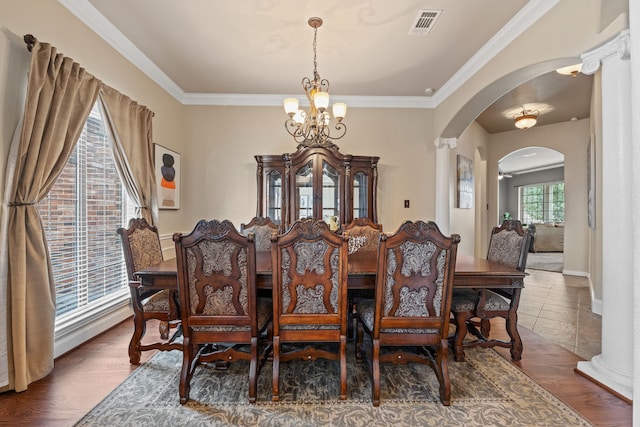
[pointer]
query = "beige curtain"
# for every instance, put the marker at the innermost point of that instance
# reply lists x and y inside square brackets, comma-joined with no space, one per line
[60,95]
[130,127]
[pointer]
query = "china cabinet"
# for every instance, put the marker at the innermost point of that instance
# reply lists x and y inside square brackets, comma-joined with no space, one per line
[317,182]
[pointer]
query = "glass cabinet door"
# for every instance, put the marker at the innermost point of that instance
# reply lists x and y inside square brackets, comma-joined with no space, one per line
[304,191]
[330,195]
[360,192]
[274,196]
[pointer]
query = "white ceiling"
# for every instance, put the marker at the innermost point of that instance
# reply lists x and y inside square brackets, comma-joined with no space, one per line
[256,52]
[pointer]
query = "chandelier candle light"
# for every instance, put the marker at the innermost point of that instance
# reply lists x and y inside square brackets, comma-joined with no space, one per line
[312,129]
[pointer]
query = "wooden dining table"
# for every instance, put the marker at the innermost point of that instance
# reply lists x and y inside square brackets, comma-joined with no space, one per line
[470,272]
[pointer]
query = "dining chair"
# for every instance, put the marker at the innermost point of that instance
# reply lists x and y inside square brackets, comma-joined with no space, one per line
[365,232]
[221,314]
[309,297]
[364,235]
[473,308]
[262,228]
[141,249]
[408,320]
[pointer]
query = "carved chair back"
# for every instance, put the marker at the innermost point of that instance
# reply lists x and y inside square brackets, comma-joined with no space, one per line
[216,275]
[262,228]
[364,234]
[414,282]
[509,244]
[310,272]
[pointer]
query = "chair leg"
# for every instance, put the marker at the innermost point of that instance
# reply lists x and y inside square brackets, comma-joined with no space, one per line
[359,337]
[253,370]
[516,341]
[461,332]
[275,394]
[442,372]
[485,327]
[139,329]
[343,367]
[163,327]
[185,375]
[375,372]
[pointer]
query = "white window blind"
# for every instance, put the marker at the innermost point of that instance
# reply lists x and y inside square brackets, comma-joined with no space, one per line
[80,216]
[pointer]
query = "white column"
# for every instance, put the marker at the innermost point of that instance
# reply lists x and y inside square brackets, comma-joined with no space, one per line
[443,178]
[614,366]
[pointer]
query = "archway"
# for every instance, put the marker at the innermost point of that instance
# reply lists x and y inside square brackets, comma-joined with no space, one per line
[531,189]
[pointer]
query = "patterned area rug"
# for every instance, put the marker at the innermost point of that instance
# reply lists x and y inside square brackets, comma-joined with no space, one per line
[486,390]
[548,261]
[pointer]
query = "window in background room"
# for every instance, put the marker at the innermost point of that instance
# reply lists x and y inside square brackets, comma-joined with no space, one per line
[542,202]
[80,216]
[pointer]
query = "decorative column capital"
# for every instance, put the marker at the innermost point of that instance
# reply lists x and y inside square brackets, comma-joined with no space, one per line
[445,142]
[618,46]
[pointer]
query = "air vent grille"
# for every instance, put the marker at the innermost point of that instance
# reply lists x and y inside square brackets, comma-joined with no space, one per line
[424,22]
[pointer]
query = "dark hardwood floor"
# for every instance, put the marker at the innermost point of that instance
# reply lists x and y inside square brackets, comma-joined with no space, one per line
[86,375]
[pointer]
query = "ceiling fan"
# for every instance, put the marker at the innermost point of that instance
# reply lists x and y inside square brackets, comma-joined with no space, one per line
[503,175]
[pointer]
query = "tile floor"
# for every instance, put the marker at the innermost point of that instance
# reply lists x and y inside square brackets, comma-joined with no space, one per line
[558,307]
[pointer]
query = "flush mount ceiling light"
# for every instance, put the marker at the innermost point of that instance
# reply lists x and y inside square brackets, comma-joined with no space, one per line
[311,129]
[526,118]
[571,70]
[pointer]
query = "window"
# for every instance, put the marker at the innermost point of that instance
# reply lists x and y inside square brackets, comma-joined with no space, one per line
[542,203]
[80,216]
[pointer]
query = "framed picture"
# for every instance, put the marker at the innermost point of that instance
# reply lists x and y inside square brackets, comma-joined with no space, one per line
[167,169]
[465,183]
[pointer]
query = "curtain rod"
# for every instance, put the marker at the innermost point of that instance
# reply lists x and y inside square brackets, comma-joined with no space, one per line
[30,41]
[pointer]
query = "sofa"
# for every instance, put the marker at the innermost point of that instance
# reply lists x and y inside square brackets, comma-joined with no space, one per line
[547,237]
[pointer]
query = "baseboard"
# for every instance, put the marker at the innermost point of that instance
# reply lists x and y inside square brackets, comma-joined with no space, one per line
[73,337]
[575,273]
[596,306]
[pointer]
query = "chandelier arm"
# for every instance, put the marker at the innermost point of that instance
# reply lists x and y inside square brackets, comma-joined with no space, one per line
[342,130]
[324,85]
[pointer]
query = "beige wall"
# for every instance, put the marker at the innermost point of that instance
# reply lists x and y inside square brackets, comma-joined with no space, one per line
[571,139]
[219,170]
[463,221]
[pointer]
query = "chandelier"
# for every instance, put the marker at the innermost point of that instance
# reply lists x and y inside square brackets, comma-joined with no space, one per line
[526,118]
[312,129]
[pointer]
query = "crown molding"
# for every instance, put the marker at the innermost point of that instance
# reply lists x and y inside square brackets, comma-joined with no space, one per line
[275,100]
[91,17]
[526,17]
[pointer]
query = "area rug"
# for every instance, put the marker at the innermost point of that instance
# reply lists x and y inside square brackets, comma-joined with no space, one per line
[548,261]
[487,390]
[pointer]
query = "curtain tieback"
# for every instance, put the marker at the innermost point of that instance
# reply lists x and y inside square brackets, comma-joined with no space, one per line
[13,204]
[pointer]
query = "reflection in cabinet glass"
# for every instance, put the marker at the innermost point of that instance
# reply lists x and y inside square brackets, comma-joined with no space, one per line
[330,195]
[317,182]
[360,191]
[274,196]
[304,190]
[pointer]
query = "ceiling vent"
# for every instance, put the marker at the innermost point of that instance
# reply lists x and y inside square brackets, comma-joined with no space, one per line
[424,22]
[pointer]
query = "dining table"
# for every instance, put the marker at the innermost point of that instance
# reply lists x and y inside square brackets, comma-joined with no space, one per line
[470,272]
